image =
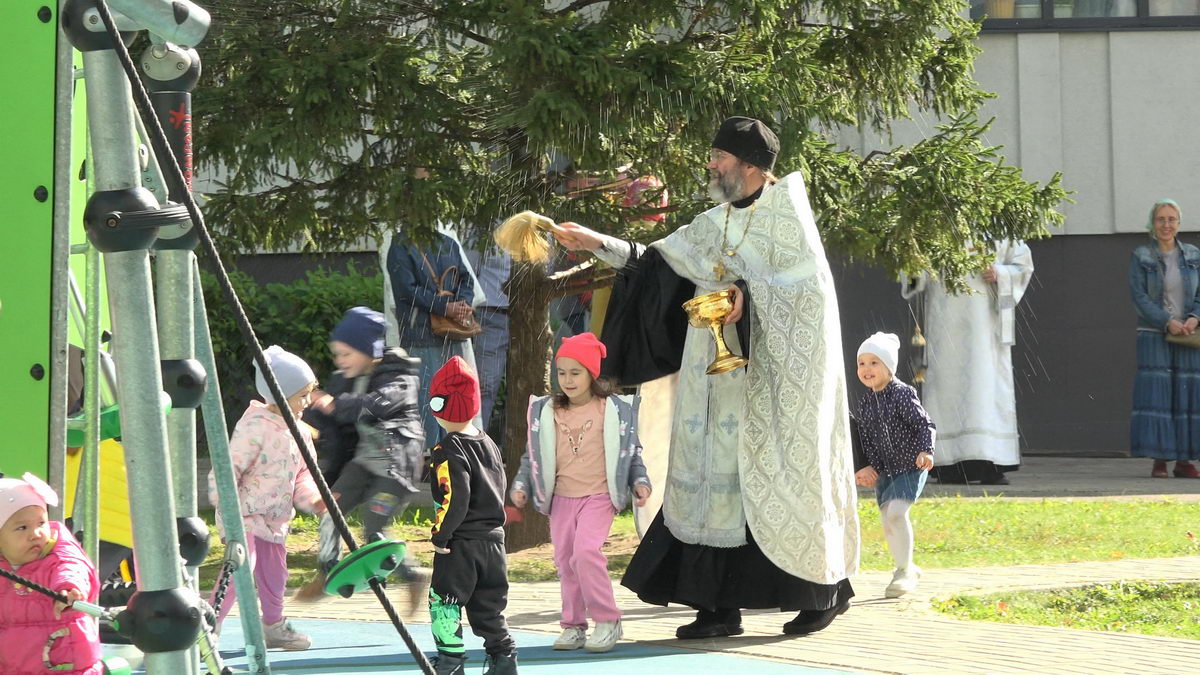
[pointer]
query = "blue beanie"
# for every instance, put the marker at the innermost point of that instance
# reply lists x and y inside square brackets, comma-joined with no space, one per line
[362,328]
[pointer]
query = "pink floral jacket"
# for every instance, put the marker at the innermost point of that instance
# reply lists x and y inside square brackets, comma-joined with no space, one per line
[271,475]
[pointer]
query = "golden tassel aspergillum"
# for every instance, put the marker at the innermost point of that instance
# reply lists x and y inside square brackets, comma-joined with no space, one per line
[524,236]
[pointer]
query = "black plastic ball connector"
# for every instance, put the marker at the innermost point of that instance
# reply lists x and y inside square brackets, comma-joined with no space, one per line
[161,621]
[109,225]
[86,31]
[194,540]
[184,381]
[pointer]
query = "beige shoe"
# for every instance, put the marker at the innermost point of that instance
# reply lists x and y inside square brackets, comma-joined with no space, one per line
[282,636]
[903,582]
[313,591]
[573,637]
[604,636]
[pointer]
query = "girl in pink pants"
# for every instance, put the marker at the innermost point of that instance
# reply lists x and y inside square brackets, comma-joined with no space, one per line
[582,465]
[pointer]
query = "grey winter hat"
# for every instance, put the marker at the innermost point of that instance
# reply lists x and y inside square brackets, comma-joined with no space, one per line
[291,371]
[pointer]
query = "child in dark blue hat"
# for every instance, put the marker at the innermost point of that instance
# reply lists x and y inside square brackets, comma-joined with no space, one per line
[370,437]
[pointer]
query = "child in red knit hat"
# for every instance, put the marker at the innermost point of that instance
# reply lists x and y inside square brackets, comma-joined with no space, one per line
[581,466]
[470,569]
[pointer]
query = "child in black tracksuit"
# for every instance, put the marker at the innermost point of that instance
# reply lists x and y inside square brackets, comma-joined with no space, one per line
[369,437]
[469,569]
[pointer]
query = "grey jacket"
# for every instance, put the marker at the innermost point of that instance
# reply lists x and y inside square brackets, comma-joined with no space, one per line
[622,452]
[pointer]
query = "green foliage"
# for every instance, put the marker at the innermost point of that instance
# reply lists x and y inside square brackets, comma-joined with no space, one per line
[1171,610]
[316,118]
[297,316]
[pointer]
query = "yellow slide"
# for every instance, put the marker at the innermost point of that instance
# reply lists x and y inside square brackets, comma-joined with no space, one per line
[115,523]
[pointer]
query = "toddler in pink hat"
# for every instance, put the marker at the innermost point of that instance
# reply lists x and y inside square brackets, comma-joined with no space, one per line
[39,634]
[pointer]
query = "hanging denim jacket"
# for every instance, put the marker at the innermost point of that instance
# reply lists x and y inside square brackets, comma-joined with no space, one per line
[1146,271]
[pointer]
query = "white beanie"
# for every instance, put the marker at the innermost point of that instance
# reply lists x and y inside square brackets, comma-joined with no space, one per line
[884,345]
[290,370]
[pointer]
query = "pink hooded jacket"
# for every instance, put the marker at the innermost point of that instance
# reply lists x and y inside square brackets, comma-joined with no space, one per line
[28,629]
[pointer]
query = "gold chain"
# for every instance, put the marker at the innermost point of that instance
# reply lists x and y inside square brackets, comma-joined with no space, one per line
[719,269]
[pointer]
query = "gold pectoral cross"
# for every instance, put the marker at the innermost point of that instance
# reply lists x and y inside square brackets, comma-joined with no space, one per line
[719,270]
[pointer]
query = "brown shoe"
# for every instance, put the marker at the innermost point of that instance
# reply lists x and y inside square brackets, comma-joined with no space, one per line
[313,591]
[1160,469]
[1186,470]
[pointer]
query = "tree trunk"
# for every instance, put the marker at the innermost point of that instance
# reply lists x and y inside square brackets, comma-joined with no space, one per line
[528,375]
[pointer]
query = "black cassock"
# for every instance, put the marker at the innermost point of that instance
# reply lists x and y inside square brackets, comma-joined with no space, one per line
[644,332]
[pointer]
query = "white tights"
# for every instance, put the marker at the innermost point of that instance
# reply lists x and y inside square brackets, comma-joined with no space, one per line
[898,530]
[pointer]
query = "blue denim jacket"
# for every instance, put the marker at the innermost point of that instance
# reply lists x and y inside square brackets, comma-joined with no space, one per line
[1146,271]
[415,291]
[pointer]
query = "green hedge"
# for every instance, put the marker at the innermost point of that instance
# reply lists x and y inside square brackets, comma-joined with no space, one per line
[297,316]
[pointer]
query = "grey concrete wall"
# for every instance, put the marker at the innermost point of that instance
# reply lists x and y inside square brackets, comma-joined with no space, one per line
[1074,360]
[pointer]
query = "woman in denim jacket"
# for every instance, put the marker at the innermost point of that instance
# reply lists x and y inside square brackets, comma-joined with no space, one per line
[1164,279]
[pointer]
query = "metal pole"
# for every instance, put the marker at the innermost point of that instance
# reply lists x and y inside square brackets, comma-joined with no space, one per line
[64,82]
[135,348]
[88,504]
[216,434]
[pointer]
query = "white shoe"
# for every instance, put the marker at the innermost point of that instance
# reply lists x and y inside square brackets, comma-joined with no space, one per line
[573,637]
[604,636]
[282,636]
[903,582]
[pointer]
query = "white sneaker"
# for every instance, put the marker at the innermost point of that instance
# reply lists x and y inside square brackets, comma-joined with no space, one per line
[604,636]
[282,636]
[573,637]
[903,582]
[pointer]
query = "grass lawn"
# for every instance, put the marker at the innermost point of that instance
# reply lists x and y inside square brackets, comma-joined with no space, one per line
[950,532]
[1171,610]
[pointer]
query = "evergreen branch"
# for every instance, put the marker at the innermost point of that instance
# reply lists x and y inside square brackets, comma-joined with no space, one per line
[577,5]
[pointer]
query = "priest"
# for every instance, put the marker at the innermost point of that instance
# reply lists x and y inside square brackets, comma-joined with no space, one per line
[759,505]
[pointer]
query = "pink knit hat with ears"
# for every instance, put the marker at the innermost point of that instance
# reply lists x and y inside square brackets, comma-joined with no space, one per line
[17,493]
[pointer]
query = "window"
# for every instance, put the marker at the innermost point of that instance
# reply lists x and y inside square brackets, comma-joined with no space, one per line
[1068,15]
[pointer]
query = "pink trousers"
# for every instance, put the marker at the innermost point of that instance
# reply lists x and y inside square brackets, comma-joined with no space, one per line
[269,562]
[579,527]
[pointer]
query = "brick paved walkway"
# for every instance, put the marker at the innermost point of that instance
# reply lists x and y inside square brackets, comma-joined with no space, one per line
[889,636]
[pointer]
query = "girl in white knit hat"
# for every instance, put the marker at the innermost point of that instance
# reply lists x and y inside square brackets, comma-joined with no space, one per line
[272,479]
[897,451]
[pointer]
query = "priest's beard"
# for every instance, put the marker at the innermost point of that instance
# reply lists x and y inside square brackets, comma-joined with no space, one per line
[726,187]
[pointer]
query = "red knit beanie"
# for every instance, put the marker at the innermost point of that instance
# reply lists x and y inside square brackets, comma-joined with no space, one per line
[585,349]
[454,391]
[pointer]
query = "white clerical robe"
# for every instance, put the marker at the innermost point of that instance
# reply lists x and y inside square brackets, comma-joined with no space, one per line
[768,446]
[968,389]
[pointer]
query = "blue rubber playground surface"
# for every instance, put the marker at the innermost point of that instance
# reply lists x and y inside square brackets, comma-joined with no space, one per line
[361,647]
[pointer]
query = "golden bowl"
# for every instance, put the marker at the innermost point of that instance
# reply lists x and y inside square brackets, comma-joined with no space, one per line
[709,311]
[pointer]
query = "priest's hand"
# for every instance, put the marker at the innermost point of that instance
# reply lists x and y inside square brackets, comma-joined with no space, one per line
[642,492]
[989,275]
[925,461]
[575,237]
[866,476]
[738,303]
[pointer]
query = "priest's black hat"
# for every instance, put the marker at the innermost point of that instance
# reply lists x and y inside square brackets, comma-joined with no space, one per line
[749,140]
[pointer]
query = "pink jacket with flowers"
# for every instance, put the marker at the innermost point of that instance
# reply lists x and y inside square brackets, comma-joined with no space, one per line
[271,475]
[27,623]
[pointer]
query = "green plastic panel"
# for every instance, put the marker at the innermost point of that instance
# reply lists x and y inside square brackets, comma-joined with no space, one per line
[26,164]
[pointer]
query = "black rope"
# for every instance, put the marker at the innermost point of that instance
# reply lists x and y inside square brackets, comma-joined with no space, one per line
[167,158]
[35,586]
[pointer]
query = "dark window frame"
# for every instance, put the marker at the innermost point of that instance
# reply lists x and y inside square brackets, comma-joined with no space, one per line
[1143,21]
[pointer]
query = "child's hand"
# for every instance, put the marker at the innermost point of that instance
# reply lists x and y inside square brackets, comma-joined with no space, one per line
[925,461]
[318,506]
[73,595]
[519,498]
[322,402]
[866,476]
[443,551]
[643,493]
